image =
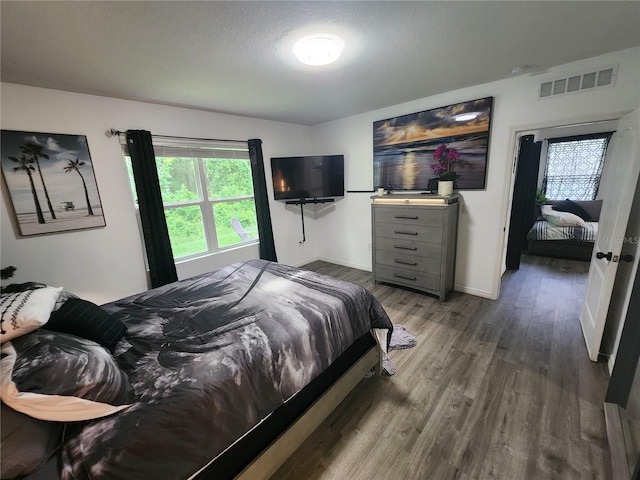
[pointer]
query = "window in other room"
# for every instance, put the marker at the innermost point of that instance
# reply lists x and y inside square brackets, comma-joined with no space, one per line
[574,166]
[207,193]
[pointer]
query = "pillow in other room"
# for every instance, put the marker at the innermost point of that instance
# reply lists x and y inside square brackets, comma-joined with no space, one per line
[561,219]
[572,207]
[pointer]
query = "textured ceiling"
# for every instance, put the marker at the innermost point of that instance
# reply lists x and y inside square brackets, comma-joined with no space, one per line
[235,57]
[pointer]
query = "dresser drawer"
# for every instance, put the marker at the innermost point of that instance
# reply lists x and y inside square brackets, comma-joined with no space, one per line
[419,233]
[409,262]
[406,277]
[409,247]
[409,215]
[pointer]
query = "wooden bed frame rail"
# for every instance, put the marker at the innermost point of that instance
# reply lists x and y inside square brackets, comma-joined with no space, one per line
[268,462]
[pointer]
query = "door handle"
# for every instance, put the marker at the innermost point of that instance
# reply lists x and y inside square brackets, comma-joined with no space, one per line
[602,255]
[626,258]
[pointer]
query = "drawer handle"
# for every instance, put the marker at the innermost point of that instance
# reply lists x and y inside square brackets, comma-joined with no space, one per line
[400,232]
[402,262]
[397,275]
[402,247]
[406,217]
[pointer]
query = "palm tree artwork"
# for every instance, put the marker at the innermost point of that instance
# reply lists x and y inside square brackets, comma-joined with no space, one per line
[25,165]
[46,158]
[75,165]
[35,152]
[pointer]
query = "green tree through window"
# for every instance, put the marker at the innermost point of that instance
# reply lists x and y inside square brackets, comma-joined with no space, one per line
[207,190]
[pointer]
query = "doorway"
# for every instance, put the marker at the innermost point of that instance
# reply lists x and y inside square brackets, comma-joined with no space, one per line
[543,135]
[527,193]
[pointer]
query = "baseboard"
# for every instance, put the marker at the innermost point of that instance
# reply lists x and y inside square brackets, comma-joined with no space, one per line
[366,268]
[476,292]
[305,262]
[619,465]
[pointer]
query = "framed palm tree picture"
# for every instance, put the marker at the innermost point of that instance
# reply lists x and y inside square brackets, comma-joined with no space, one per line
[51,182]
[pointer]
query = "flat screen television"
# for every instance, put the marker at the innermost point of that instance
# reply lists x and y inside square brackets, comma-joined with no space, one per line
[297,178]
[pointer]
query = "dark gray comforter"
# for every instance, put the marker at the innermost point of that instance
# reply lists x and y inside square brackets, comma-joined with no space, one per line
[209,358]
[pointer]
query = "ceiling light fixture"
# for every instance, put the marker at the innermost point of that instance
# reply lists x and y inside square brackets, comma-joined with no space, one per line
[319,49]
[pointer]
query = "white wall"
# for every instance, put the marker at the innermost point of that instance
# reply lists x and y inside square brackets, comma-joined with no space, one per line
[347,233]
[107,263]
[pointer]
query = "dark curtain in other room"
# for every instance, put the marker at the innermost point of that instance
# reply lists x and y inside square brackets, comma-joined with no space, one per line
[523,208]
[162,267]
[265,230]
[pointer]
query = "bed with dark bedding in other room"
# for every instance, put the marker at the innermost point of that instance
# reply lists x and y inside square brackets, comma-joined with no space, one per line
[227,373]
[565,229]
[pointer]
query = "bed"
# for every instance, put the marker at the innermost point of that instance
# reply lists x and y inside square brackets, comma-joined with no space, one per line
[209,373]
[565,229]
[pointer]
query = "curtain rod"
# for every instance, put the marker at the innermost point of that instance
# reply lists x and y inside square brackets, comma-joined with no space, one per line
[111,132]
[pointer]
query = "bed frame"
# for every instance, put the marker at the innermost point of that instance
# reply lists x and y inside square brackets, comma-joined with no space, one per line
[268,462]
[569,249]
[264,449]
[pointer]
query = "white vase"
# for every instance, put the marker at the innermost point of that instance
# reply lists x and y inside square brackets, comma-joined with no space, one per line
[445,187]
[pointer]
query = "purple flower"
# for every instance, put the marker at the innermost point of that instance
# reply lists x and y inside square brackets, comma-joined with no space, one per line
[438,168]
[445,157]
[453,155]
[440,152]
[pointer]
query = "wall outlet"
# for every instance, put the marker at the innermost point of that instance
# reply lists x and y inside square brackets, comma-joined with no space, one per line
[369,246]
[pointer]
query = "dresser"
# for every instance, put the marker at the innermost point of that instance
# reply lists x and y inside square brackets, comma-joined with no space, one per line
[414,241]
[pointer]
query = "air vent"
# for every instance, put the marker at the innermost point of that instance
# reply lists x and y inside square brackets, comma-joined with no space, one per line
[602,77]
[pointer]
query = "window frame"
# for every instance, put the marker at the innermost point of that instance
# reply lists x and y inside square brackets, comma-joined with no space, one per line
[205,203]
[606,136]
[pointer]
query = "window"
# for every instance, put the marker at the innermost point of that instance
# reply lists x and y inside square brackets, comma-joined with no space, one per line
[207,193]
[574,166]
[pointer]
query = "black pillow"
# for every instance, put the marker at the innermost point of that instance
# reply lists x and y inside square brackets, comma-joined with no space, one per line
[87,320]
[572,207]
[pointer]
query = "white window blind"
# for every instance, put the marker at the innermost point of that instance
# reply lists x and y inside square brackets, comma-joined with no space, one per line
[574,166]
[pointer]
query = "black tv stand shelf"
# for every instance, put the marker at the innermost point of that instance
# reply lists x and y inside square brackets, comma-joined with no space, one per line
[304,201]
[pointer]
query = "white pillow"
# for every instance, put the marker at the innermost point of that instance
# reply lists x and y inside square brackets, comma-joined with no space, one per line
[561,219]
[23,312]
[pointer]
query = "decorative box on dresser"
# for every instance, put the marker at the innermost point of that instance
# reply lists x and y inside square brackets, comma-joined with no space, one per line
[414,241]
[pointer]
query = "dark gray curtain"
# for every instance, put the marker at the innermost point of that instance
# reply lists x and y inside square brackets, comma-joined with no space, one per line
[265,230]
[162,267]
[523,208]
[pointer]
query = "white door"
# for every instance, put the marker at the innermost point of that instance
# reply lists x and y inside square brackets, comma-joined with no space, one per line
[620,183]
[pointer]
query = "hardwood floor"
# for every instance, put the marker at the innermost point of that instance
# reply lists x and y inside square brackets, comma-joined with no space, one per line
[493,390]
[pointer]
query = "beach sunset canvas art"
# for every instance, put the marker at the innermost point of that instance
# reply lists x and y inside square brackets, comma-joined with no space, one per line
[51,182]
[403,147]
